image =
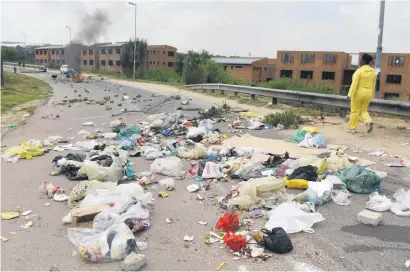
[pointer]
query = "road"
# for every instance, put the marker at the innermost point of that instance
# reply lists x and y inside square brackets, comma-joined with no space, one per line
[339,242]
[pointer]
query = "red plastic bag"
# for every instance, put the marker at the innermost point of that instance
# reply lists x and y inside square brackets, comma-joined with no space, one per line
[229,222]
[235,242]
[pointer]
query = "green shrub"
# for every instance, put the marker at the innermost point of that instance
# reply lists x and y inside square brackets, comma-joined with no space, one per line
[163,76]
[296,85]
[288,118]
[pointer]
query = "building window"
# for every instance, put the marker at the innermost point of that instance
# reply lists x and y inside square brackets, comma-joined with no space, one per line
[238,66]
[110,51]
[150,62]
[117,63]
[84,52]
[286,73]
[84,62]
[171,53]
[90,52]
[62,61]
[91,62]
[103,62]
[117,51]
[157,62]
[329,58]
[393,79]
[254,68]
[41,61]
[308,58]
[391,96]
[45,61]
[287,57]
[53,61]
[62,52]
[102,51]
[170,64]
[153,51]
[306,74]
[328,75]
[163,52]
[397,61]
[45,52]
[53,52]
[41,52]
[264,69]
[58,61]
[36,52]
[110,62]
[57,52]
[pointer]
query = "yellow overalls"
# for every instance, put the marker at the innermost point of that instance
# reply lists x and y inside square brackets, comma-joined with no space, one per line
[361,93]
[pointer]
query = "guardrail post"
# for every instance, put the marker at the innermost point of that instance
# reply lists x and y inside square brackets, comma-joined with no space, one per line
[222,92]
[236,93]
[212,91]
[253,96]
[274,101]
[342,112]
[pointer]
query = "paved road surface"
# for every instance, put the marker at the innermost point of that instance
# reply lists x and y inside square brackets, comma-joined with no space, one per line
[339,243]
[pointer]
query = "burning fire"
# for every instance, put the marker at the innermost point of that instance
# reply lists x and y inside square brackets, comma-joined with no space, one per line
[78,78]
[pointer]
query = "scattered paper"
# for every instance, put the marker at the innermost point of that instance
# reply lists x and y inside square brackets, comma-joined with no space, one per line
[169,220]
[26,212]
[192,188]
[203,223]
[4,239]
[188,238]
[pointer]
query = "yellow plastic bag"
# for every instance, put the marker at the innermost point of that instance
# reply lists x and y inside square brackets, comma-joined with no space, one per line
[311,130]
[26,151]
[296,183]
[9,215]
[248,115]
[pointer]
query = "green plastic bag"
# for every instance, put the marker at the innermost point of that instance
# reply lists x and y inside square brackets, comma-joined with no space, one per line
[360,180]
[128,131]
[297,137]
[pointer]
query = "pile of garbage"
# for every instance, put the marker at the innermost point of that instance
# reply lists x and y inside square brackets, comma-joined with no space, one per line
[109,204]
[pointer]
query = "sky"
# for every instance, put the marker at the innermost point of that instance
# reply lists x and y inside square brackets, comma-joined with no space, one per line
[220,27]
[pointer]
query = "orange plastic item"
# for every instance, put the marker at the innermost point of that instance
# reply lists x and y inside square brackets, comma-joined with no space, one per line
[229,222]
[235,242]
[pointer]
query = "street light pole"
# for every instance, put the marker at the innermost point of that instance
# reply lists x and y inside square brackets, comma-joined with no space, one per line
[379,44]
[69,28]
[25,48]
[135,35]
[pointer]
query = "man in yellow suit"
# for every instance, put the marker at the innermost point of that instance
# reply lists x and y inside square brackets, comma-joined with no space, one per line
[361,93]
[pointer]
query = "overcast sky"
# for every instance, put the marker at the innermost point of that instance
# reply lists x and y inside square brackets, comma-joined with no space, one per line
[226,28]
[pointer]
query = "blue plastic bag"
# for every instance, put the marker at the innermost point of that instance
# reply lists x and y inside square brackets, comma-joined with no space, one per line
[319,141]
[127,143]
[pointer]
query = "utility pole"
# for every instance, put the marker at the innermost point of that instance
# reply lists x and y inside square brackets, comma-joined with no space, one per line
[379,45]
[69,28]
[135,35]
[25,48]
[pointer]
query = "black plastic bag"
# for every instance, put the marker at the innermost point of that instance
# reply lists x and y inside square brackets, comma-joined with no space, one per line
[277,240]
[307,172]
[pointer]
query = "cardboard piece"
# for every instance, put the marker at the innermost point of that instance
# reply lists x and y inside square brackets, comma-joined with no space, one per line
[84,217]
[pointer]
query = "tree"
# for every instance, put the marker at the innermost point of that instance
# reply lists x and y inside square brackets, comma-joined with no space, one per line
[192,72]
[127,55]
[2,77]
[215,73]
[8,53]
[179,63]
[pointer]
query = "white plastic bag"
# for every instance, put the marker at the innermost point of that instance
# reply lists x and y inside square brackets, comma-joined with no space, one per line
[86,145]
[104,220]
[170,166]
[115,243]
[168,183]
[379,203]
[154,155]
[307,142]
[194,132]
[211,170]
[402,205]
[340,197]
[292,219]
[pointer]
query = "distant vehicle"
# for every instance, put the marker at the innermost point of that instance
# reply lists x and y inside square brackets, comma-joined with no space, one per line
[64,69]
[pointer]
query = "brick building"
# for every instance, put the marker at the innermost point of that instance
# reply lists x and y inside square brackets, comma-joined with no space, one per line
[160,57]
[254,70]
[314,67]
[395,75]
[53,54]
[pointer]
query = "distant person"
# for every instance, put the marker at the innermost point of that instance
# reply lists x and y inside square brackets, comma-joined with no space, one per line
[19,63]
[15,69]
[24,64]
[361,93]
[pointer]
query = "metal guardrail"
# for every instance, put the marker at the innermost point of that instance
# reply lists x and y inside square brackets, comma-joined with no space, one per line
[397,108]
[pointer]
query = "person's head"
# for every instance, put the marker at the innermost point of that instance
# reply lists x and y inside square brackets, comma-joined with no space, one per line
[366,59]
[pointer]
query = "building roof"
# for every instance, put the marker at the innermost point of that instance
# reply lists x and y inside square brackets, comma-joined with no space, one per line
[160,45]
[234,60]
[117,44]
[50,47]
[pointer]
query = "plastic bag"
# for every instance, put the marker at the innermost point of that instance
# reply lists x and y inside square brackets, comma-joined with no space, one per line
[296,183]
[126,143]
[292,219]
[359,180]
[128,131]
[340,197]
[94,171]
[211,170]
[307,141]
[168,183]
[25,150]
[250,170]
[80,190]
[228,222]
[319,141]
[297,137]
[104,220]
[402,205]
[194,154]
[307,172]
[86,145]
[277,240]
[311,130]
[115,243]
[155,154]
[171,166]
[194,132]
[379,203]
[235,242]
[251,192]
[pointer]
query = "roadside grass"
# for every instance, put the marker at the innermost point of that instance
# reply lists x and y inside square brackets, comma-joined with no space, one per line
[19,89]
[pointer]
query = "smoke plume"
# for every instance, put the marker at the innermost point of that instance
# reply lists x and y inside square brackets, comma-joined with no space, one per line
[93,26]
